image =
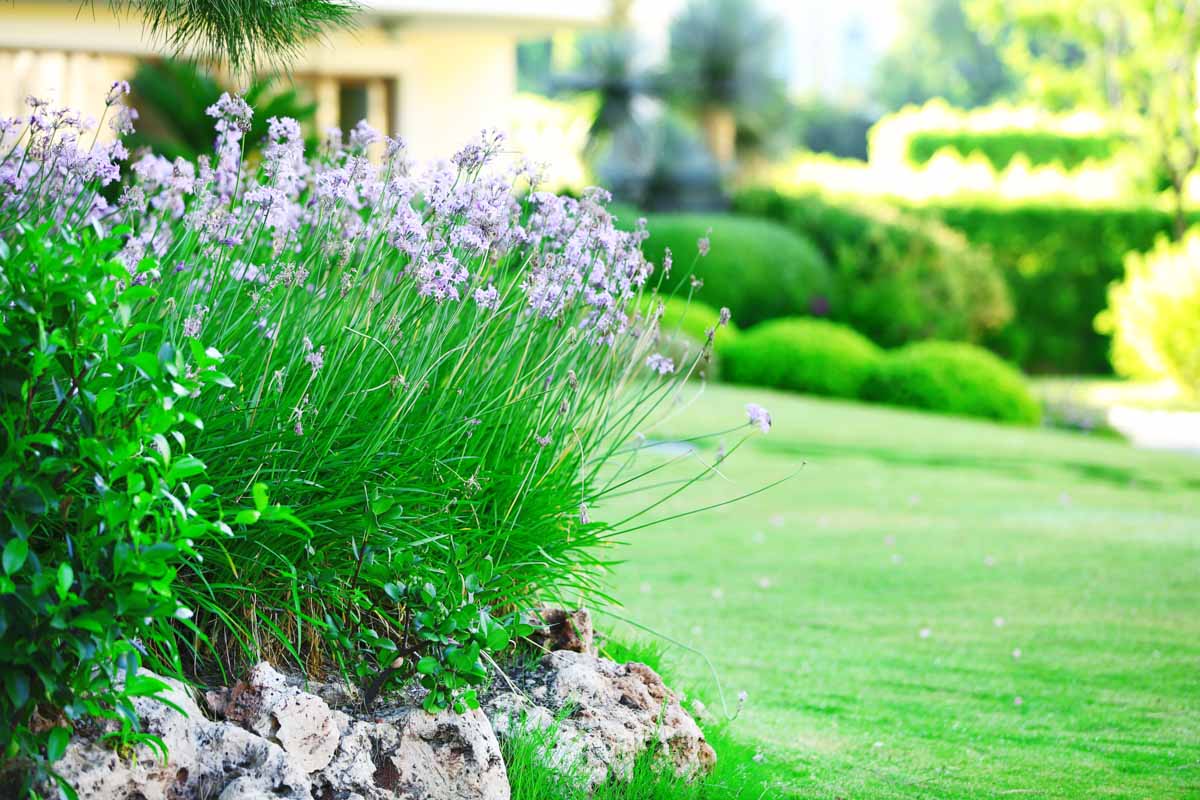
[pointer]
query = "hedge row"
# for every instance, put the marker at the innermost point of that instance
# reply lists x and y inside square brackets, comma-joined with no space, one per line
[1058,262]
[898,277]
[825,358]
[1002,146]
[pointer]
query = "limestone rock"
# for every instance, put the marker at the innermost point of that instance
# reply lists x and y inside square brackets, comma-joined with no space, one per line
[277,742]
[619,711]
[301,723]
[204,758]
[414,755]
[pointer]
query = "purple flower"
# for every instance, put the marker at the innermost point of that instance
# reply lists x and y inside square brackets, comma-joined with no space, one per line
[543,441]
[703,243]
[314,357]
[660,364]
[232,113]
[191,325]
[759,416]
[487,298]
[363,135]
[116,92]
[122,121]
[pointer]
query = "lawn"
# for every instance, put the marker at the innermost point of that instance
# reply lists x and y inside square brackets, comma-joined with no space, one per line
[935,607]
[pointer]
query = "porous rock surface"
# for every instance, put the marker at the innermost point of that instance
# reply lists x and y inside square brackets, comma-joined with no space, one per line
[614,712]
[563,629]
[274,741]
[272,737]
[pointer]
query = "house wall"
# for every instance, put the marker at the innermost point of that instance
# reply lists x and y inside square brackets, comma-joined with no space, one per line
[436,82]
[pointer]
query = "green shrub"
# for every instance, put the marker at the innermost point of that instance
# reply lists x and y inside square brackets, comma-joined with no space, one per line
[1154,314]
[1058,262]
[802,355]
[756,268]
[953,378]
[898,277]
[104,502]
[1000,147]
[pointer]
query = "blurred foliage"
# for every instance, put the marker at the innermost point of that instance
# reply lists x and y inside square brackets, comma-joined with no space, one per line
[1058,260]
[824,127]
[940,53]
[1138,58]
[723,64]
[1001,147]
[172,98]
[606,67]
[999,131]
[661,165]
[1153,315]
[689,317]
[756,268]
[898,277]
[684,328]
[801,355]
[952,378]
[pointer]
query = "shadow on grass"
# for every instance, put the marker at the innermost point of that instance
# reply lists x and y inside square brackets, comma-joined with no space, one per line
[1026,469]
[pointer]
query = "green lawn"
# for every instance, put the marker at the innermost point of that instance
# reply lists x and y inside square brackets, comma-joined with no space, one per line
[873,606]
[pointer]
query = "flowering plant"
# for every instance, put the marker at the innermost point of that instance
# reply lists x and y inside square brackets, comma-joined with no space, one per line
[440,368]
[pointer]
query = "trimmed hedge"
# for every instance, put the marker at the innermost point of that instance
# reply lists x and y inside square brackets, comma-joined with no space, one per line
[1002,146]
[803,355]
[1058,262]
[899,277]
[758,269]
[953,378]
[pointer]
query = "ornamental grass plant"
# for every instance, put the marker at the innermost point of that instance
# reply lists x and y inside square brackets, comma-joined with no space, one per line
[439,372]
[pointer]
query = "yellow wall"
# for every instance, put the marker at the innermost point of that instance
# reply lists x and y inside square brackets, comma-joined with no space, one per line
[440,81]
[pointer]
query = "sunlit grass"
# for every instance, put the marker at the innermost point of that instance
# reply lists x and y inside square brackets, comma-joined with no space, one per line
[938,607]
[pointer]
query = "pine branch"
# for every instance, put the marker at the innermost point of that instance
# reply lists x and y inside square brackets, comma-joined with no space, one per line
[242,33]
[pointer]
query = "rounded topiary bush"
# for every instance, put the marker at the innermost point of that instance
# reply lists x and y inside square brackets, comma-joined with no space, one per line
[757,268]
[953,378]
[803,355]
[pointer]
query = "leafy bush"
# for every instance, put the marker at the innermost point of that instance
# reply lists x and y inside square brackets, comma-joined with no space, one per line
[1000,147]
[1153,314]
[106,507]
[803,355]
[420,362]
[898,277]
[953,378]
[1058,261]
[756,268]
[172,98]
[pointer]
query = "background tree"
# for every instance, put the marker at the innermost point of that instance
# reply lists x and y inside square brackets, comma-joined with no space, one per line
[1135,57]
[939,52]
[722,65]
